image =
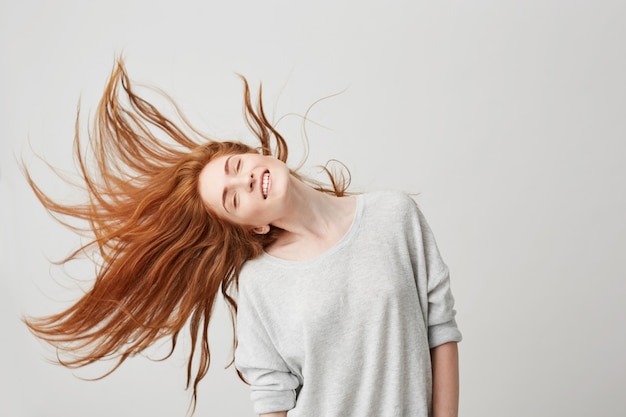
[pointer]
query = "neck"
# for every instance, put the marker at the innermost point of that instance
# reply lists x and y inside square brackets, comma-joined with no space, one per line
[314,218]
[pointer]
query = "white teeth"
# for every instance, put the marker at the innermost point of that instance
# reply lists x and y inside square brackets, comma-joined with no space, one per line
[266,182]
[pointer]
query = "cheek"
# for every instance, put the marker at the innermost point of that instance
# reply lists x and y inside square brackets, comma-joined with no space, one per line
[252,210]
[246,213]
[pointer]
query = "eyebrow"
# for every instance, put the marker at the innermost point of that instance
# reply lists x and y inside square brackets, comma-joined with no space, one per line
[226,169]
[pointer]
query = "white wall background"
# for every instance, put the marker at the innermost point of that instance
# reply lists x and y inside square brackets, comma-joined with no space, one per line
[508,116]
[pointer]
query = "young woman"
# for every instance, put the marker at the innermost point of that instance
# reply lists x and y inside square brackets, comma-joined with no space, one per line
[342,302]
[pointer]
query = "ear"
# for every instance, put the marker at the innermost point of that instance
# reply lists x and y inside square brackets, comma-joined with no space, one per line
[261,230]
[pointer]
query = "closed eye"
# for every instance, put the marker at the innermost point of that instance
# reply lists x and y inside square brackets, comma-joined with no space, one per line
[238,165]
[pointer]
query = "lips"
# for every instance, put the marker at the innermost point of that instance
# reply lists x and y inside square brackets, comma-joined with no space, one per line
[265,185]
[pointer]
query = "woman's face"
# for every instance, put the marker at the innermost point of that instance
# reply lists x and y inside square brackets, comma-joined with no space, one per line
[248,189]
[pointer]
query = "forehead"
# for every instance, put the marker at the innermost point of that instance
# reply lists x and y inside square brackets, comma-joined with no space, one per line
[211,183]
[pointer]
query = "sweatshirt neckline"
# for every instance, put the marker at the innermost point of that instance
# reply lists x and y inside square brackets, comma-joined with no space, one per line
[345,239]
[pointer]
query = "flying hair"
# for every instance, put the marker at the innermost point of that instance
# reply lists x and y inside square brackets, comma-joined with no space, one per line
[163,257]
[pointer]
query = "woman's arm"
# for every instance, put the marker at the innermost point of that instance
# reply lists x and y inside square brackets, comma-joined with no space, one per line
[445,363]
[277,414]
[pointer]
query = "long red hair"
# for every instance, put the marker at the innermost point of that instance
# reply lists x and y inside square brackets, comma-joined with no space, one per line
[162,256]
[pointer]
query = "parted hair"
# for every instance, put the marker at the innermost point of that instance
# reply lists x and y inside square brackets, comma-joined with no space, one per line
[162,256]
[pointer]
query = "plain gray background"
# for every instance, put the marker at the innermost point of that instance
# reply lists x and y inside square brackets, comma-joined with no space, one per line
[508,117]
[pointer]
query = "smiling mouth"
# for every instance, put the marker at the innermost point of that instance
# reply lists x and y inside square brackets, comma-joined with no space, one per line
[265,184]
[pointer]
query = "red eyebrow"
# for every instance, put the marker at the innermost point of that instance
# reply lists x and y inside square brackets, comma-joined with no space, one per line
[226,165]
[226,171]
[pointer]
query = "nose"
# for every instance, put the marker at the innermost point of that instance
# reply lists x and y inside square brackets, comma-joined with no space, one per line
[244,181]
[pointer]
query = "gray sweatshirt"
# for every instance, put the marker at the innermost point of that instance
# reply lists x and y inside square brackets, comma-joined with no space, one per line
[348,333]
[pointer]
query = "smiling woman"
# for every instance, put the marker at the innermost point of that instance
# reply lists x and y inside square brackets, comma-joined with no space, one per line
[247,189]
[342,302]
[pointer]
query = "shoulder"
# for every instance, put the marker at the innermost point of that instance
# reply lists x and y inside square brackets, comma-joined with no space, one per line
[252,273]
[389,213]
[390,203]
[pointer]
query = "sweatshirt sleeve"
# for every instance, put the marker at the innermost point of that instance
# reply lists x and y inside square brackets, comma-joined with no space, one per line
[256,358]
[433,275]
